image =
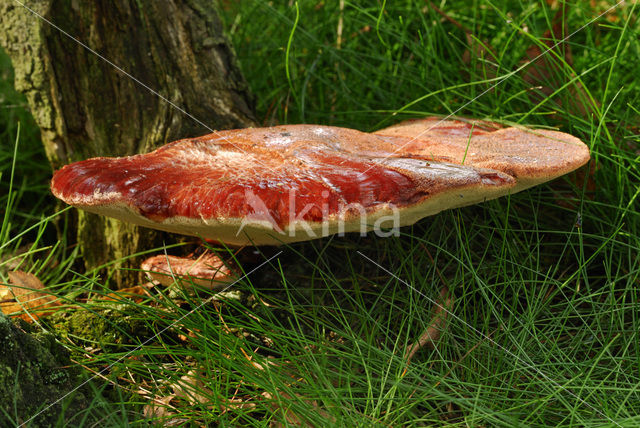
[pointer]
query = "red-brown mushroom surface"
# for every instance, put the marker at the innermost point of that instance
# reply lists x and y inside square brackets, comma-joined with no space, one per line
[300,182]
[532,156]
[206,270]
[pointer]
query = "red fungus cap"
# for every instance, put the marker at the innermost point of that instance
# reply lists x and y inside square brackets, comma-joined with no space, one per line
[266,186]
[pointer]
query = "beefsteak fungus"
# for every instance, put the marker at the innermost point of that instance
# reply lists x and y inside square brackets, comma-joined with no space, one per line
[267,186]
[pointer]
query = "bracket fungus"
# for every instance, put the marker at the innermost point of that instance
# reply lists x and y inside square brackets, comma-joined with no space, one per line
[267,186]
[206,270]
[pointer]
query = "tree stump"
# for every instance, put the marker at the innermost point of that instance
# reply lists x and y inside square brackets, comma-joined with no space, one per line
[86,105]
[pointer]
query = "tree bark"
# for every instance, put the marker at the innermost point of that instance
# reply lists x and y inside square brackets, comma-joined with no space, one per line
[88,106]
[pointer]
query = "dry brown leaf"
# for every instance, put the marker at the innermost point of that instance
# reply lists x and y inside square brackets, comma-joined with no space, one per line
[546,71]
[435,328]
[158,408]
[291,418]
[191,388]
[23,298]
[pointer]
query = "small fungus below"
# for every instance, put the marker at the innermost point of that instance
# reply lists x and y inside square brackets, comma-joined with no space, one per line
[206,270]
[267,186]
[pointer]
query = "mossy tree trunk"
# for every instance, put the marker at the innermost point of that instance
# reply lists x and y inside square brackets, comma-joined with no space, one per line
[86,107]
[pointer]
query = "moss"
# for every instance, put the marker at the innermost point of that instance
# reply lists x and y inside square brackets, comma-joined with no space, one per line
[35,371]
[112,329]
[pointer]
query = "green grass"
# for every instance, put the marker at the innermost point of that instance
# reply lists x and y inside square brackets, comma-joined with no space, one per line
[544,326]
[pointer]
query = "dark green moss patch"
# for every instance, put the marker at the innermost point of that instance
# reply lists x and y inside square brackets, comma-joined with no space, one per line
[35,372]
[115,328]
